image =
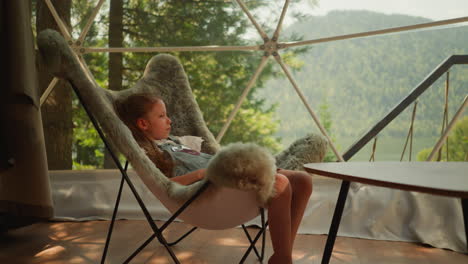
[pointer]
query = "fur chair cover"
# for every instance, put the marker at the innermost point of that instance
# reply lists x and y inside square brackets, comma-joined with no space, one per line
[232,167]
[165,77]
[311,148]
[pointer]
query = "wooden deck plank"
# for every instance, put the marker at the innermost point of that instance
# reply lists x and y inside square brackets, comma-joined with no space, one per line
[83,242]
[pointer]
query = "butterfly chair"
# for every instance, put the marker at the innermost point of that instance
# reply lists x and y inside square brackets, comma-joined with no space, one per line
[202,204]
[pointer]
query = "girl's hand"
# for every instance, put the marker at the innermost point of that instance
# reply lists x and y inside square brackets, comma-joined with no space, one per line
[190,178]
[201,174]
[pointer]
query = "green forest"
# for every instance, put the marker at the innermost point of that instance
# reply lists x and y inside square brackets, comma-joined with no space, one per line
[351,84]
[360,80]
[217,78]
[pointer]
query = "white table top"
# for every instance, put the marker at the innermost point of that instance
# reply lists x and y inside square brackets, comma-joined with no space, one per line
[442,178]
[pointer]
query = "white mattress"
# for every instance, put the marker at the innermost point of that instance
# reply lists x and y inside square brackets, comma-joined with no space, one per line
[371,212]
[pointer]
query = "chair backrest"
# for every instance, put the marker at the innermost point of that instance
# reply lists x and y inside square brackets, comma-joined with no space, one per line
[165,77]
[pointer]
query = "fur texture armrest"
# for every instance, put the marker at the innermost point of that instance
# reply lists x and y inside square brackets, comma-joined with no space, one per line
[244,166]
[311,148]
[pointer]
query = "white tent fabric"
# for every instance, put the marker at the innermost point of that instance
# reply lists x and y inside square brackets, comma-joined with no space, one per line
[371,212]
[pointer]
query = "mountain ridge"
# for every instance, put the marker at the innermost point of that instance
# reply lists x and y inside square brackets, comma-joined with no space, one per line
[362,79]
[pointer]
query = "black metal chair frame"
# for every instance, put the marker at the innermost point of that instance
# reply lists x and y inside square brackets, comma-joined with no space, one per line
[157,231]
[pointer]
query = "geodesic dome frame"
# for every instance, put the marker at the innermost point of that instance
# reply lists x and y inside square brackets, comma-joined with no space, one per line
[269,48]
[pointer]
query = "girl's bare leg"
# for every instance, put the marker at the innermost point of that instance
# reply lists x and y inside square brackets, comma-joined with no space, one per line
[279,217]
[301,187]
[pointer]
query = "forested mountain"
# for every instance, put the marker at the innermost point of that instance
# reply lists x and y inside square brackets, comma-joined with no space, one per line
[360,80]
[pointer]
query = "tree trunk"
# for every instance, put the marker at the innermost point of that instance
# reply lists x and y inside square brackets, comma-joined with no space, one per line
[115,59]
[57,110]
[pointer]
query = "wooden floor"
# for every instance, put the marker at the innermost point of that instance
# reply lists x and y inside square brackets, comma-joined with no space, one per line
[83,242]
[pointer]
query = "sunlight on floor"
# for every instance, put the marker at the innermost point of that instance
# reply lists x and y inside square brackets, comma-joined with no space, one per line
[50,251]
[185,255]
[230,242]
[78,244]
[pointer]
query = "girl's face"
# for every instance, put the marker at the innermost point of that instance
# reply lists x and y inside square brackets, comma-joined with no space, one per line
[155,124]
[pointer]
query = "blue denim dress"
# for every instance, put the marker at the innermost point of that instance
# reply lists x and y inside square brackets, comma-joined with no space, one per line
[185,159]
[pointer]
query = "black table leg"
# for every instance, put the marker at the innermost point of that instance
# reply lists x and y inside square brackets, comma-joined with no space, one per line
[335,224]
[464,203]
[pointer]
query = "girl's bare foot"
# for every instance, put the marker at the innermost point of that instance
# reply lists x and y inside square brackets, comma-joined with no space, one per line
[275,259]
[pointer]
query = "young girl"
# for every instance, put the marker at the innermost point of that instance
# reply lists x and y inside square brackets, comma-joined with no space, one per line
[146,116]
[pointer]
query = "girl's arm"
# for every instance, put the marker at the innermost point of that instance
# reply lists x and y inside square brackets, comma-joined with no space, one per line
[190,178]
